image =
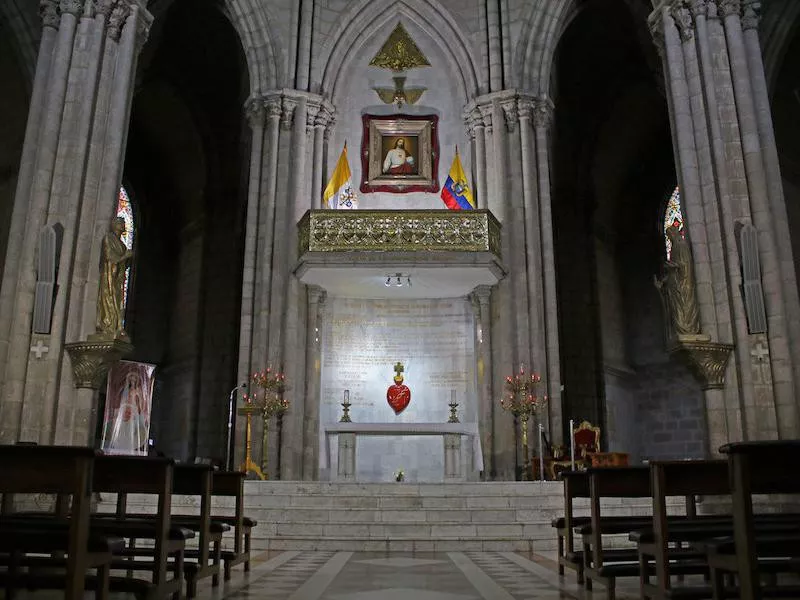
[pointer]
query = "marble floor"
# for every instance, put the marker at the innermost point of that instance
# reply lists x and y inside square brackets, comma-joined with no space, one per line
[405,576]
[393,576]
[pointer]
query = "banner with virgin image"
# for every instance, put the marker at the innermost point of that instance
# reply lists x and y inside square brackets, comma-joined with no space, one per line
[126,422]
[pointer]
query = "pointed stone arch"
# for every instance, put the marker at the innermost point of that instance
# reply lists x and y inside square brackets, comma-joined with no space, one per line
[366,17]
[24,31]
[535,53]
[254,30]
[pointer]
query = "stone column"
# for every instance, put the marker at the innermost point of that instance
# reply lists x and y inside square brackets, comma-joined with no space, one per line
[316,177]
[715,74]
[16,233]
[515,226]
[85,88]
[542,119]
[482,193]
[495,51]
[486,403]
[732,322]
[316,303]
[256,114]
[533,242]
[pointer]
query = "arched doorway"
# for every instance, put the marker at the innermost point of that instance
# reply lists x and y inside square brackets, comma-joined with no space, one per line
[185,160]
[613,173]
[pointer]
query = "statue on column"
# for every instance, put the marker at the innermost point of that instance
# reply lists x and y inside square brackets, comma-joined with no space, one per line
[677,287]
[114,259]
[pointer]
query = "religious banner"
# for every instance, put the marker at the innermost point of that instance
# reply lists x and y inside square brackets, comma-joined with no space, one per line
[126,422]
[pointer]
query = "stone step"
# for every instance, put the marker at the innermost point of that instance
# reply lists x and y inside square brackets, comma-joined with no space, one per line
[431,515]
[300,488]
[395,530]
[405,545]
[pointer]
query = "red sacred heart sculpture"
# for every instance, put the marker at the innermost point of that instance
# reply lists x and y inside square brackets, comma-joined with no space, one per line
[398,395]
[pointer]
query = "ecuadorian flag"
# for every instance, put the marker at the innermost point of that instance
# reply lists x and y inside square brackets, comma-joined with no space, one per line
[339,192]
[455,191]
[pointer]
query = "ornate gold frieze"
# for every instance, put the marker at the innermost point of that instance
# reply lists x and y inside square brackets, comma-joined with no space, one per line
[399,52]
[705,359]
[92,359]
[399,230]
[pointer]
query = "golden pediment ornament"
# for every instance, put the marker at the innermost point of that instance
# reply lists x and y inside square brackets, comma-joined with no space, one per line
[399,52]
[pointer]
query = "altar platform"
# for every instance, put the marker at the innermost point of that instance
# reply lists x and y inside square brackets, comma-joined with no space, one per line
[402,517]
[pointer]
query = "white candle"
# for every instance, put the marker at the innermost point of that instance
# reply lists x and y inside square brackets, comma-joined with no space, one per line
[541,455]
[347,395]
[572,443]
[453,396]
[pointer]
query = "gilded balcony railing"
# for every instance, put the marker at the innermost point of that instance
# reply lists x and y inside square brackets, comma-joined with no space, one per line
[399,231]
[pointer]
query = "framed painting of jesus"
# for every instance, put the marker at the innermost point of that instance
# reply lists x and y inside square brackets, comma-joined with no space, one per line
[400,153]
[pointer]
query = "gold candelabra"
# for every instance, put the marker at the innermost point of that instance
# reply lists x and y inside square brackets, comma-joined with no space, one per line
[521,400]
[267,400]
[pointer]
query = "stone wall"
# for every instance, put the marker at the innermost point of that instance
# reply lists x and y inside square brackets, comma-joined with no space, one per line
[361,342]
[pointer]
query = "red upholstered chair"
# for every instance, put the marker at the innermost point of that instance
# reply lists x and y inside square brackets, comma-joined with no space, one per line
[587,444]
[587,439]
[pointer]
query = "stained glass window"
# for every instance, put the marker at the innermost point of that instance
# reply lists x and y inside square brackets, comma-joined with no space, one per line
[125,210]
[673,217]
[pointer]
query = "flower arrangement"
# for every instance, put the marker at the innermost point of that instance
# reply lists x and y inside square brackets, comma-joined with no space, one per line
[269,387]
[399,475]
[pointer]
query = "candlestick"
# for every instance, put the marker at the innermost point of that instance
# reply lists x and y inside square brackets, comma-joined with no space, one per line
[572,442]
[346,408]
[541,455]
[453,406]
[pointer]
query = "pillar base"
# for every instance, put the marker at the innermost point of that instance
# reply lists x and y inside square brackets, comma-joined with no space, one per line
[92,359]
[705,359]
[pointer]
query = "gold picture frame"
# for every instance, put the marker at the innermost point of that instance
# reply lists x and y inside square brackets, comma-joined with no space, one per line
[400,154]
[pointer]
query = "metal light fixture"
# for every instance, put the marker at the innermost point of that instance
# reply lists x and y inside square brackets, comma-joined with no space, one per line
[396,280]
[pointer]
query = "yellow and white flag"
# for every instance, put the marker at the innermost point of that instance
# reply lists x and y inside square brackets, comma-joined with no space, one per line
[339,192]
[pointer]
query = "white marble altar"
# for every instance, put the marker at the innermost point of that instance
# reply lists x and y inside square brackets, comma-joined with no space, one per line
[453,451]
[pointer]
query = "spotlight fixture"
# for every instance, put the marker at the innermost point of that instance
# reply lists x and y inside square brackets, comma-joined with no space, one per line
[397,280]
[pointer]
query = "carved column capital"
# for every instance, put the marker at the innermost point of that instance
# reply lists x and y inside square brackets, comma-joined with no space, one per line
[751,14]
[316,294]
[526,108]
[116,19]
[312,110]
[254,112]
[483,293]
[699,8]
[143,24]
[654,23]
[683,21]
[103,7]
[48,10]
[729,8]
[272,106]
[486,114]
[72,7]
[543,113]
[511,115]
[287,113]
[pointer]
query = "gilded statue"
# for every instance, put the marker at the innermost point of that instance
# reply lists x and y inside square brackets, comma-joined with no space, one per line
[677,287]
[114,259]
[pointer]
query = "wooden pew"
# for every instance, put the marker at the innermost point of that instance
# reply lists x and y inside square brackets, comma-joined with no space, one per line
[576,485]
[612,482]
[197,480]
[61,470]
[123,475]
[664,542]
[231,484]
[758,468]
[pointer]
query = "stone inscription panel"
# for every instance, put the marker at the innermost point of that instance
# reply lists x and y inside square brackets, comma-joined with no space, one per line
[361,342]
